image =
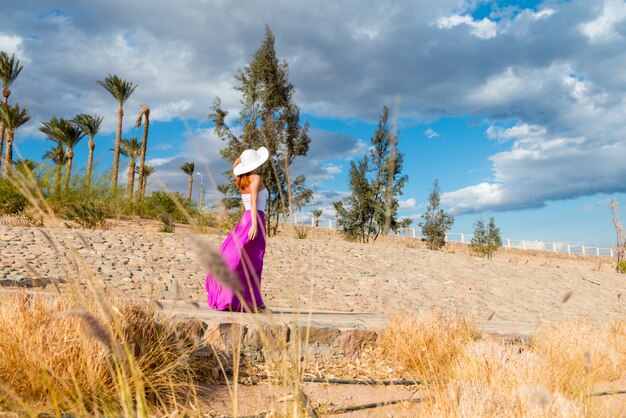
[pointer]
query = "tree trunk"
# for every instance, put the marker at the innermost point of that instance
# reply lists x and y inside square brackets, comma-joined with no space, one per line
[142,161]
[116,151]
[189,190]
[268,218]
[6,100]
[8,155]
[131,180]
[144,183]
[57,179]
[336,221]
[92,146]
[68,168]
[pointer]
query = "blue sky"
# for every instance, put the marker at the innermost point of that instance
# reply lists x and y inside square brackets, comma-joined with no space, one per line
[518,108]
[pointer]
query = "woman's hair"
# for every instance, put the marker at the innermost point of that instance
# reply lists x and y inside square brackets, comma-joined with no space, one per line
[243,181]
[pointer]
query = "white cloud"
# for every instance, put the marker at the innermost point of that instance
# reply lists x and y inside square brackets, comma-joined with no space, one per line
[431,133]
[167,111]
[11,43]
[484,29]
[332,170]
[407,204]
[602,28]
[162,147]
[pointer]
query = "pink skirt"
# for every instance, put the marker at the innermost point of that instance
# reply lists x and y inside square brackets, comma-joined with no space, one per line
[244,257]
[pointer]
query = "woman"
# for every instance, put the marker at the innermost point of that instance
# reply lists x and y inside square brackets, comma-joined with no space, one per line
[244,248]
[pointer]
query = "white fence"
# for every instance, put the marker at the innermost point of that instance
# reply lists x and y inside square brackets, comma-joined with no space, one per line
[556,247]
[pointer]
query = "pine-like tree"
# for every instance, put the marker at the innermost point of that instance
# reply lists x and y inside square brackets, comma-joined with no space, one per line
[486,240]
[269,117]
[376,182]
[436,222]
[360,206]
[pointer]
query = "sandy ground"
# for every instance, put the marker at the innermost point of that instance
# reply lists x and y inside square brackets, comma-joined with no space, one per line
[324,272]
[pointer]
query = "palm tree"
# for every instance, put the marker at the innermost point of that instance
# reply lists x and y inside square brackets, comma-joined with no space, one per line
[10,68]
[144,115]
[338,206]
[90,125]
[189,168]
[130,148]
[12,118]
[57,154]
[67,134]
[148,170]
[316,215]
[120,90]
[25,167]
[71,135]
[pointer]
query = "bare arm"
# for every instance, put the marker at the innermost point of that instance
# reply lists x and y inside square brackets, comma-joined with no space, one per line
[254,194]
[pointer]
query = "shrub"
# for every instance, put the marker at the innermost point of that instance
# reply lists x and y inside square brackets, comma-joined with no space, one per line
[436,222]
[90,215]
[301,232]
[167,223]
[621,266]
[12,202]
[486,240]
[159,203]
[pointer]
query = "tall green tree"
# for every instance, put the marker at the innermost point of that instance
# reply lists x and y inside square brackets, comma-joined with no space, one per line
[376,182]
[10,69]
[435,221]
[12,117]
[143,117]
[189,169]
[360,206]
[90,125]
[269,117]
[130,148]
[121,90]
[486,240]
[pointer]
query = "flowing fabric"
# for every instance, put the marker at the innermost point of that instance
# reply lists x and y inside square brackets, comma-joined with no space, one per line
[245,258]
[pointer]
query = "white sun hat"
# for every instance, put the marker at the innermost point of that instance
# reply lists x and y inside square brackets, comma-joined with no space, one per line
[251,159]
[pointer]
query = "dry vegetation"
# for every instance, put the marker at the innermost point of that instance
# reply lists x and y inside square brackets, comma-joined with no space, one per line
[125,360]
[87,355]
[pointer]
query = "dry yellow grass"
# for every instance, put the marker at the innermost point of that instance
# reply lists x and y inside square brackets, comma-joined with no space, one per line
[55,356]
[427,344]
[550,377]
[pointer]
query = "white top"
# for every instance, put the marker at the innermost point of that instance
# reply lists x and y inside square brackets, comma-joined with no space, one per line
[261,200]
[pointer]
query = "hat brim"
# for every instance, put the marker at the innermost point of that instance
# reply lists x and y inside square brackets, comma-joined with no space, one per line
[242,168]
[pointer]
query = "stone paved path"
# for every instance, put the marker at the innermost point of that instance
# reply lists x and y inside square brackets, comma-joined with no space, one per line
[323,275]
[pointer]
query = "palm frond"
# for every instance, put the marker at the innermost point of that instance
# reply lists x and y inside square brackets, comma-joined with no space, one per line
[56,154]
[25,164]
[188,168]
[63,131]
[119,88]
[130,148]
[13,116]
[148,170]
[144,111]
[10,69]
[89,124]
